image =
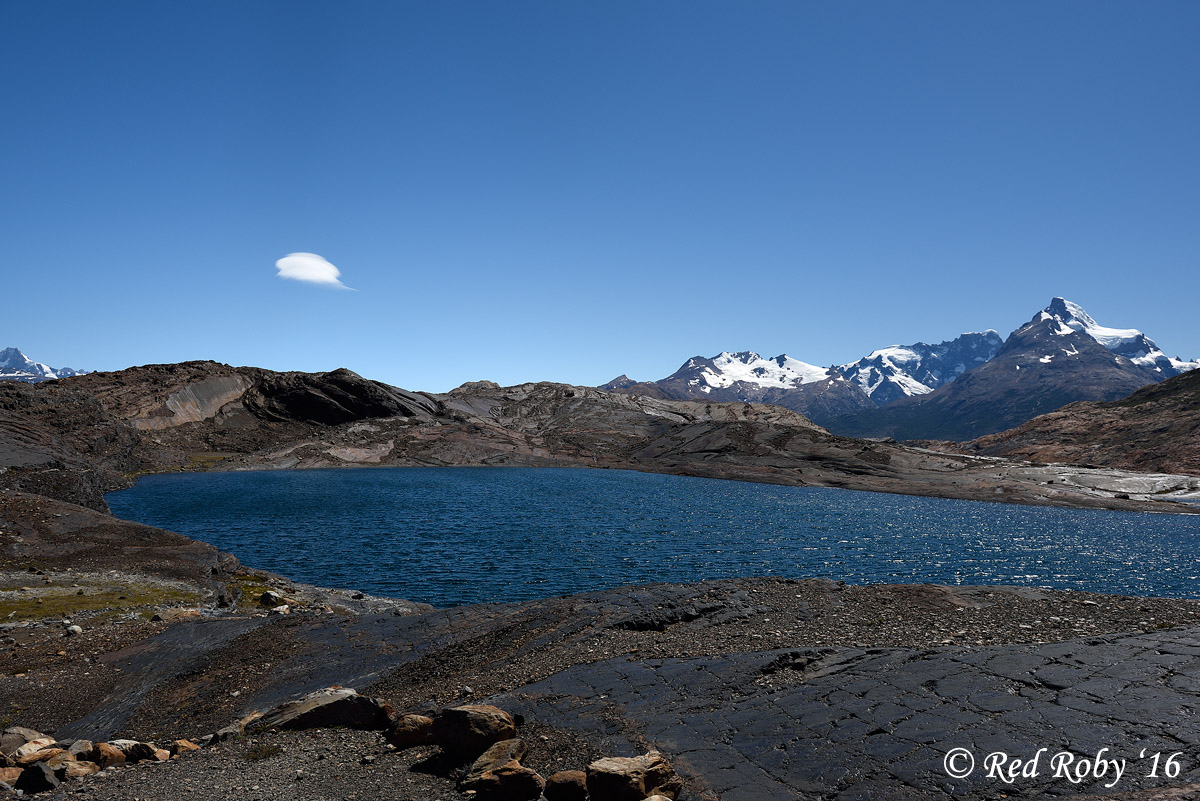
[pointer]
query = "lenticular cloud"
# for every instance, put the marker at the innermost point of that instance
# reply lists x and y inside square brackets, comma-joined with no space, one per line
[310,268]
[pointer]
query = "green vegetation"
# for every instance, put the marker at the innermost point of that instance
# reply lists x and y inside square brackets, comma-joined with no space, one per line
[247,587]
[54,601]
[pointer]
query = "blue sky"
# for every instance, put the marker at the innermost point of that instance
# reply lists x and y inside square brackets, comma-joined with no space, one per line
[568,191]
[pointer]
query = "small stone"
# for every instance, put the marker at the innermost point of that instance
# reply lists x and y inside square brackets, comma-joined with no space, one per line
[74,630]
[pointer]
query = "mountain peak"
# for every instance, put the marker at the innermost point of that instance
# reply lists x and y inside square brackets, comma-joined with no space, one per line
[16,366]
[1070,312]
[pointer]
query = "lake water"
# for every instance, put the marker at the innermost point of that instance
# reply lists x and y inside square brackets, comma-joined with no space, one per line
[451,536]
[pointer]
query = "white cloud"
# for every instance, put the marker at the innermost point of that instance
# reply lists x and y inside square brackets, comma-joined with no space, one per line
[309,267]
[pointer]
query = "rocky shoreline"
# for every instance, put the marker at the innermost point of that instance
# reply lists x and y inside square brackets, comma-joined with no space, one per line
[753,688]
[114,632]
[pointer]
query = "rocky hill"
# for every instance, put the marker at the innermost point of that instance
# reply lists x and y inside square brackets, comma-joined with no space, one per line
[78,437]
[1156,428]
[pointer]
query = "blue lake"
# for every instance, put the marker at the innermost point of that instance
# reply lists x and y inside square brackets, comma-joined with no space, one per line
[451,536]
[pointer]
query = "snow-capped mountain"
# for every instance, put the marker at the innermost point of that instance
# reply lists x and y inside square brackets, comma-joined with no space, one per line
[902,371]
[727,369]
[820,393]
[1060,356]
[1128,342]
[913,391]
[16,366]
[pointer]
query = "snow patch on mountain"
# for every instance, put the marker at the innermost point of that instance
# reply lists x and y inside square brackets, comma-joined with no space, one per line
[780,372]
[901,371]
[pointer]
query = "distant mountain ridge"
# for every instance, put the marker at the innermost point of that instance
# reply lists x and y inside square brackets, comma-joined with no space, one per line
[975,384]
[16,366]
[904,371]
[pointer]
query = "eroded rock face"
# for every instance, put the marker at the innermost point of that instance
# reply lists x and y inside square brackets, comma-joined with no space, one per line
[632,778]
[331,398]
[465,732]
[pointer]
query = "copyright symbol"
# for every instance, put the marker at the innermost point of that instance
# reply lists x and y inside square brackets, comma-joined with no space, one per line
[959,763]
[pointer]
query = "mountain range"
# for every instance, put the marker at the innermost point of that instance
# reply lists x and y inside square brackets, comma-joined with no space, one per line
[16,366]
[973,385]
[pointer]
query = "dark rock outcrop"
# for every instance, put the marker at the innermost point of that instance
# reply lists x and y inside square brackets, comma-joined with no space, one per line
[1156,429]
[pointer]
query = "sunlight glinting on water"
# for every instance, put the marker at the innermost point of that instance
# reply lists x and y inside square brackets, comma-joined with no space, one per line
[462,535]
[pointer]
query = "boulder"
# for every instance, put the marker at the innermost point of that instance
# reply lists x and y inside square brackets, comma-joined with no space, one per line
[566,785]
[632,778]
[465,732]
[498,754]
[77,770]
[182,746]
[135,751]
[106,755]
[16,736]
[81,748]
[511,781]
[333,706]
[37,778]
[409,731]
[44,755]
[32,747]
[10,775]
[270,599]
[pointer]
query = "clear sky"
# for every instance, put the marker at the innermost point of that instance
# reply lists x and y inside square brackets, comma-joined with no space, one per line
[569,191]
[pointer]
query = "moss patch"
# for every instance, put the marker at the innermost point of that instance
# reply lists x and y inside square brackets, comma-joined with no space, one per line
[52,601]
